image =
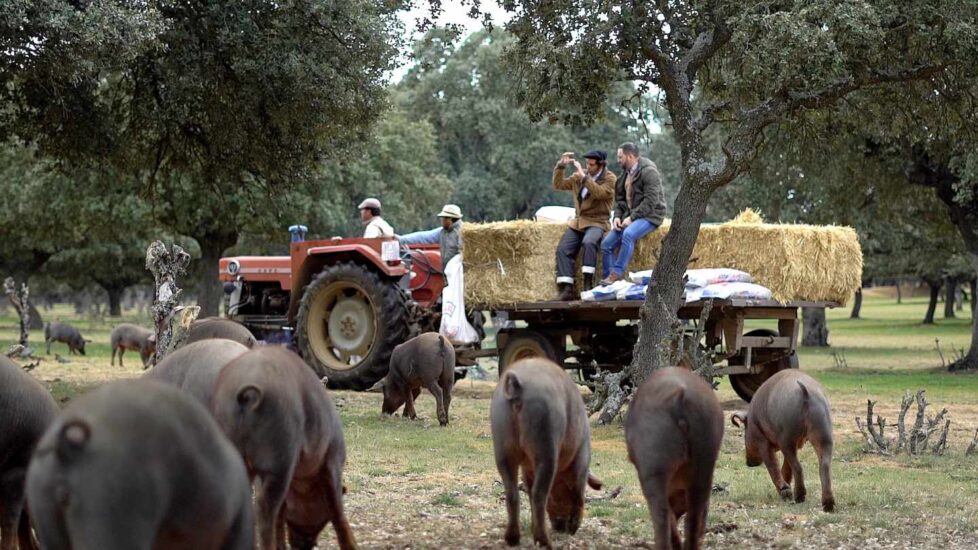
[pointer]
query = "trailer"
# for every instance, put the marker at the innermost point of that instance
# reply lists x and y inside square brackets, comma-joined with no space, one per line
[588,336]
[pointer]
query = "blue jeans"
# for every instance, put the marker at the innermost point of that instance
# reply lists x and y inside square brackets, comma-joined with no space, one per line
[624,241]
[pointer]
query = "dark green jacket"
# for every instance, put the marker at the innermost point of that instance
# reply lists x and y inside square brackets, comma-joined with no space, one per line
[648,198]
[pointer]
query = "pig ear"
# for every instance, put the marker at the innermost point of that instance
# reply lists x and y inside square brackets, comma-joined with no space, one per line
[75,433]
[379,386]
[738,419]
[249,396]
[512,388]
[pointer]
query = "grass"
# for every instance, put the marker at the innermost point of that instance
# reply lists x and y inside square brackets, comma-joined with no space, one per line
[413,483]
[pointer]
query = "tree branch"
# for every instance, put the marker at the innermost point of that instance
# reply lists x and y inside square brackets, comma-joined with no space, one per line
[707,44]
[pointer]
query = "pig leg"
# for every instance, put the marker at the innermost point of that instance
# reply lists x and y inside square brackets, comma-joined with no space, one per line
[334,503]
[698,499]
[824,451]
[663,521]
[280,531]
[271,495]
[409,397]
[791,457]
[786,471]
[11,506]
[121,351]
[435,390]
[539,482]
[24,533]
[112,361]
[241,535]
[508,466]
[771,462]
[48,341]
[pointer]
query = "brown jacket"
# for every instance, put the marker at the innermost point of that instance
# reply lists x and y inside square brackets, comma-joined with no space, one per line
[595,209]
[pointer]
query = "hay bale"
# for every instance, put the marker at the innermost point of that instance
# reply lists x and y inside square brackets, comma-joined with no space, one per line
[512,262]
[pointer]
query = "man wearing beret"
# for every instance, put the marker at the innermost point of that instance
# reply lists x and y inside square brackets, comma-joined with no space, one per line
[640,206]
[594,191]
[373,225]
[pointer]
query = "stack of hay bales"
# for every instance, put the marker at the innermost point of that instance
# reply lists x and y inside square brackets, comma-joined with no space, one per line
[513,262]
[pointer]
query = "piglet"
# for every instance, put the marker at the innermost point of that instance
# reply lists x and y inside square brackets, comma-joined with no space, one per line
[279,416]
[539,422]
[425,361]
[673,432]
[27,409]
[138,464]
[789,409]
[194,367]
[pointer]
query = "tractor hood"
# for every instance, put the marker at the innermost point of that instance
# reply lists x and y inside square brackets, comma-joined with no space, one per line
[271,269]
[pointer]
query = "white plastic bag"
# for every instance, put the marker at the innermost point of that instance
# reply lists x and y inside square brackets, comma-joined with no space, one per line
[554,214]
[454,325]
[700,278]
[640,277]
[736,290]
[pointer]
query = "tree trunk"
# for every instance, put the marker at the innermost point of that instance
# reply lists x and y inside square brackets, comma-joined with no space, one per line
[857,304]
[935,293]
[970,359]
[816,330]
[657,318]
[973,298]
[209,287]
[37,322]
[899,293]
[115,300]
[949,292]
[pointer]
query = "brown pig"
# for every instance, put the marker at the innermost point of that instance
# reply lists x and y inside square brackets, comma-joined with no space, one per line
[126,336]
[138,464]
[215,327]
[425,361]
[539,422]
[26,410]
[194,367]
[673,432]
[282,420]
[789,409]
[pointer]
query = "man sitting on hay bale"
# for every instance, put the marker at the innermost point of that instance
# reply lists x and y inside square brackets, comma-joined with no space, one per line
[640,206]
[593,197]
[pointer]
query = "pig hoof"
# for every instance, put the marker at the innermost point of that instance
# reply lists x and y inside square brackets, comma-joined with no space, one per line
[785,493]
[560,525]
[828,505]
[512,539]
[799,498]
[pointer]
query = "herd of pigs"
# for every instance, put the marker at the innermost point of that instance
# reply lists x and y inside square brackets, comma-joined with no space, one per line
[169,460]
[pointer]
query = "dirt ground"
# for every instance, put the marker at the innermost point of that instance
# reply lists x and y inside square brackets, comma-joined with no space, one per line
[413,484]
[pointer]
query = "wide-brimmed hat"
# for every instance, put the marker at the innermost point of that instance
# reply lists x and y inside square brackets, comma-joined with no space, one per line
[369,203]
[451,211]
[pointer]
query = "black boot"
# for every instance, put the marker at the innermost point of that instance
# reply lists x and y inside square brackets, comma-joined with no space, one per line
[567,293]
[588,281]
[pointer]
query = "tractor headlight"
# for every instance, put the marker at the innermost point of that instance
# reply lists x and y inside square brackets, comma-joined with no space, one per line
[234,267]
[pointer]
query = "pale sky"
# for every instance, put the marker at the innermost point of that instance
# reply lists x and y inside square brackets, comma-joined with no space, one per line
[452,13]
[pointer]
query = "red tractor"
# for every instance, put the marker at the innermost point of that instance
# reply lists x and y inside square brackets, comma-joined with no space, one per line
[346,302]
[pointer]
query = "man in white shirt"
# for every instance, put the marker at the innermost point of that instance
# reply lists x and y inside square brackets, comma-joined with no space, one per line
[374,225]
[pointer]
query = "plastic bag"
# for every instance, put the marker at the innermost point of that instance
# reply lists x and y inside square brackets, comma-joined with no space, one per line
[736,290]
[640,277]
[454,325]
[605,293]
[700,278]
[634,292]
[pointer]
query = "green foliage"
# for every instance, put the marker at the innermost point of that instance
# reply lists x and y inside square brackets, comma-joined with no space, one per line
[499,160]
[216,89]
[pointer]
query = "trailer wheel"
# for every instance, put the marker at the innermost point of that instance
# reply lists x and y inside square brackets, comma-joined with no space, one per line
[745,385]
[524,344]
[349,322]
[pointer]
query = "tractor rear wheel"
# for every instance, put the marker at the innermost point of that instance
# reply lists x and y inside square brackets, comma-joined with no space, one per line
[349,321]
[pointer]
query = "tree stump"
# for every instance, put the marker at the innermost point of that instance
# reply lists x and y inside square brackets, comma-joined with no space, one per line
[21,302]
[166,266]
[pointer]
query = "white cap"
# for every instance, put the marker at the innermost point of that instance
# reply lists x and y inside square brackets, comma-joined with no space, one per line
[369,203]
